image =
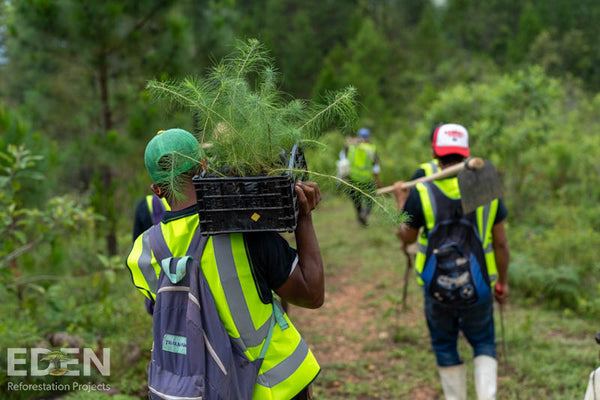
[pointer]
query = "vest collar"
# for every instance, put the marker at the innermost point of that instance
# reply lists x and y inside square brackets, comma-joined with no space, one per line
[173,215]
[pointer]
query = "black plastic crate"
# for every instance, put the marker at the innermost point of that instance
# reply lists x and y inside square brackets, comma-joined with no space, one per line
[249,204]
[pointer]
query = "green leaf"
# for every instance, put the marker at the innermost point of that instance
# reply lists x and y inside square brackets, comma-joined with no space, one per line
[104,260]
[20,236]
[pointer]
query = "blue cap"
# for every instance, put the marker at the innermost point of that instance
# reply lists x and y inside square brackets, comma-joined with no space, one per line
[364,133]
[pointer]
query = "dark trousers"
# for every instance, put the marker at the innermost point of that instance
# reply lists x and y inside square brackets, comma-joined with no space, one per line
[475,322]
[362,203]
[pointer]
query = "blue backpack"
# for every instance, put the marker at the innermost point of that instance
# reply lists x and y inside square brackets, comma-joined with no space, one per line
[193,357]
[455,271]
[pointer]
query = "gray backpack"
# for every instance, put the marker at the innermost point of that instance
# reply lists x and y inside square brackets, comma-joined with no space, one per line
[193,357]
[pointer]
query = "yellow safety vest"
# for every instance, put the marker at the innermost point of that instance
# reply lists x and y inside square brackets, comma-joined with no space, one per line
[163,201]
[485,216]
[362,159]
[289,365]
[430,167]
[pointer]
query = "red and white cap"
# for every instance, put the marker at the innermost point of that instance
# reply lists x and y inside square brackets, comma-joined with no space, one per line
[450,139]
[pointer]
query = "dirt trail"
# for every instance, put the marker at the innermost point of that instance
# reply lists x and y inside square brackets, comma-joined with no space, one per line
[348,329]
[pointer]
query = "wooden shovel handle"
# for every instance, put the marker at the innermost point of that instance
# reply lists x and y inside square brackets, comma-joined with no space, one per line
[470,163]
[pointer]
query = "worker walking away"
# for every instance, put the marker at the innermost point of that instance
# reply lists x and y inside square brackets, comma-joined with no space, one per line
[462,263]
[243,270]
[363,174]
[148,212]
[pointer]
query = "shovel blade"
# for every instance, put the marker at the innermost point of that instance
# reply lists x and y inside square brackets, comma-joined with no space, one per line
[478,186]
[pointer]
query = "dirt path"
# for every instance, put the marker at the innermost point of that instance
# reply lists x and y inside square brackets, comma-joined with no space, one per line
[352,338]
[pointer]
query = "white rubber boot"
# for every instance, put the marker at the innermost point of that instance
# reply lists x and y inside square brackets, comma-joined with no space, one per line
[454,382]
[593,388]
[486,376]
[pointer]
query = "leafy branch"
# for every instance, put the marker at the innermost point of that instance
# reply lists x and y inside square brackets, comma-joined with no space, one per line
[23,228]
[340,103]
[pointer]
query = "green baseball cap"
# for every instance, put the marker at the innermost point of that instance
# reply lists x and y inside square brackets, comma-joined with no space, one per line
[171,153]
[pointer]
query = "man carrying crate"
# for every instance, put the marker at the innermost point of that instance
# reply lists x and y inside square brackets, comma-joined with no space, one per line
[243,270]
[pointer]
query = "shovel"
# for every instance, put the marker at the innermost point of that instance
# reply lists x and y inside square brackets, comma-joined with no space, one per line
[477,181]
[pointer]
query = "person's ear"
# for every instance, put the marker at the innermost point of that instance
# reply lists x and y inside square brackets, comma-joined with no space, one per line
[156,190]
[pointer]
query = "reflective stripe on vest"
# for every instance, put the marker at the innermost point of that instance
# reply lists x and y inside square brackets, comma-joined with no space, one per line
[485,216]
[485,222]
[430,167]
[143,268]
[289,365]
[362,159]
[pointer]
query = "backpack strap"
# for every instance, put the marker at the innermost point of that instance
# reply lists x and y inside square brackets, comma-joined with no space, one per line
[197,245]
[158,209]
[157,243]
[163,254]
[277,318]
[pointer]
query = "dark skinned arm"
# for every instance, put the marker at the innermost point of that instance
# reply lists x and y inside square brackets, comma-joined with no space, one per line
[305,287]
[405,233]
[502,256]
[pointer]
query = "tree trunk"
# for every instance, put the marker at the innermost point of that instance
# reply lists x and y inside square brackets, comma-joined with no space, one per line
[106,173]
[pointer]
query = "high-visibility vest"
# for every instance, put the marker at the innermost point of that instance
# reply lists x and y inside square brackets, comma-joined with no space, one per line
[157,207]
[289,365]
[430,167]
[362,159]
[485,216]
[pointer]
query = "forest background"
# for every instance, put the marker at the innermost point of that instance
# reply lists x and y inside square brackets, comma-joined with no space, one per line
[522,76]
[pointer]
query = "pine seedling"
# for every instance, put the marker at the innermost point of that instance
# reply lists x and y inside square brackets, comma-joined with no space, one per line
[245,122]
[246,119]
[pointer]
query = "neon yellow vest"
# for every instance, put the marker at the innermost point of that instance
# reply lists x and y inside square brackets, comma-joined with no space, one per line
[289,365]
[362,159]
[485,216]
[163,200]
[430,167]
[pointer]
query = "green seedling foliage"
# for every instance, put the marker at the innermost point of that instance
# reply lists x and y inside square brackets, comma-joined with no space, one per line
[245,123]
[246,119]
